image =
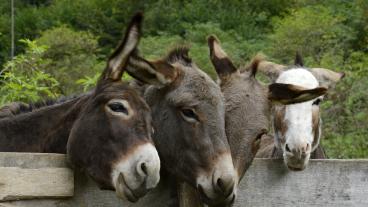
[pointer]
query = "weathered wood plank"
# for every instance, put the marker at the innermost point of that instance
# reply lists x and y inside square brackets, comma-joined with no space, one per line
[267,183]
[87,194]
[323,183]
[34,175]
[32,160]
[19,183]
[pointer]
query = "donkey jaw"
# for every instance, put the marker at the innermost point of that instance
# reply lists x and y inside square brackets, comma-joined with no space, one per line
[218,187]
[136,173]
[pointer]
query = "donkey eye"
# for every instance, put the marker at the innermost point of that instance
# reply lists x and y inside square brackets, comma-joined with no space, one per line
[189,114]
[317,102]
[118,107]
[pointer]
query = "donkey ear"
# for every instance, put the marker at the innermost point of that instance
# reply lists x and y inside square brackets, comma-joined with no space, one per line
[270,69]
[119,58]
[326,77]
[298,60]
[292,94]
[219,58]
[151,72]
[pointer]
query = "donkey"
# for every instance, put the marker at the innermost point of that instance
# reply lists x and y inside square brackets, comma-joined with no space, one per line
[298,126]
[188,113]
[105,133]
[246,103]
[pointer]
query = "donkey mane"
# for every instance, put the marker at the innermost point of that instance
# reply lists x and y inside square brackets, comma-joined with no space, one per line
[179,54]
[29,107]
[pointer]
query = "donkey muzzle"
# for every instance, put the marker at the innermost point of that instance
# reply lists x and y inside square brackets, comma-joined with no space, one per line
[137,173]
[218,188]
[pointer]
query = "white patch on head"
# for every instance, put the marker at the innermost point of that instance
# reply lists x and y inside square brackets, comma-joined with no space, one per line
[299,77]
[124,103]
[223,169]
[130,166]
[130,44]
[298,117]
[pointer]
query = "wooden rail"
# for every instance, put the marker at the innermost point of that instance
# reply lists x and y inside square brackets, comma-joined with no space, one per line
[30,180]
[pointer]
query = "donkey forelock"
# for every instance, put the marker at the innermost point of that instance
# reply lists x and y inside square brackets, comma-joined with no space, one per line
[179,54]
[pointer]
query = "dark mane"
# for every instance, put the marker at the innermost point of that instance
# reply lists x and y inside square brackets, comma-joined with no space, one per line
[179,54]
[29,107]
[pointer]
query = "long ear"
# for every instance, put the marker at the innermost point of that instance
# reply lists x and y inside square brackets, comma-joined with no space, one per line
[119,58]
[254,64]
[327,78]
[219,58]
[270,69]
[298,60]
[151,72]
[291,94]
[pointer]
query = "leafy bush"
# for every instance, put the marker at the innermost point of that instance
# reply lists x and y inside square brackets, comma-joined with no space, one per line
[312,30]
[24,79]
[72,56]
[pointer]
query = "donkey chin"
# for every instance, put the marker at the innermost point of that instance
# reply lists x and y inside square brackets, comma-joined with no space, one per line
[134,176]
[295,163]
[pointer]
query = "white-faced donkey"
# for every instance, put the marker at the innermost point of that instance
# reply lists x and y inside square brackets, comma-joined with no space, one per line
[297,126]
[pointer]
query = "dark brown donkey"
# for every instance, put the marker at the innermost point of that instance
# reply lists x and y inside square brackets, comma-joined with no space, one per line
[188,113]
[106,133]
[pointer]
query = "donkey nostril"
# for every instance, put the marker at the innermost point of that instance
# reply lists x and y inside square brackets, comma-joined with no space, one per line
[287,148]
[221,185]
[225,188]
[144,168]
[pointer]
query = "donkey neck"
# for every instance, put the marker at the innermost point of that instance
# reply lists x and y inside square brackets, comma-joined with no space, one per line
[44,130]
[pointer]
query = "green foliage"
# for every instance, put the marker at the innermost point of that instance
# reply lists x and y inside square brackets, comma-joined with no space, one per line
[89,82]
[73,55]
[345,114]
[23,78]
[312,30]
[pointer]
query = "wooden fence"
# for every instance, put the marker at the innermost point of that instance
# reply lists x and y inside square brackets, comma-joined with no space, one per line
[40,180]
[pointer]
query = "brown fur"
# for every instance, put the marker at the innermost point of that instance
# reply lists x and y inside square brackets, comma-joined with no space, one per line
[279,123]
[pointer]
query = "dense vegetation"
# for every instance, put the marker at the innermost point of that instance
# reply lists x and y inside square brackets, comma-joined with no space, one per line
[61,46]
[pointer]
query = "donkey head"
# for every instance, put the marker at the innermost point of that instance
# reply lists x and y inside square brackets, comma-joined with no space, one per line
[111,137]
[246,104]
[188,113]
[297,92]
